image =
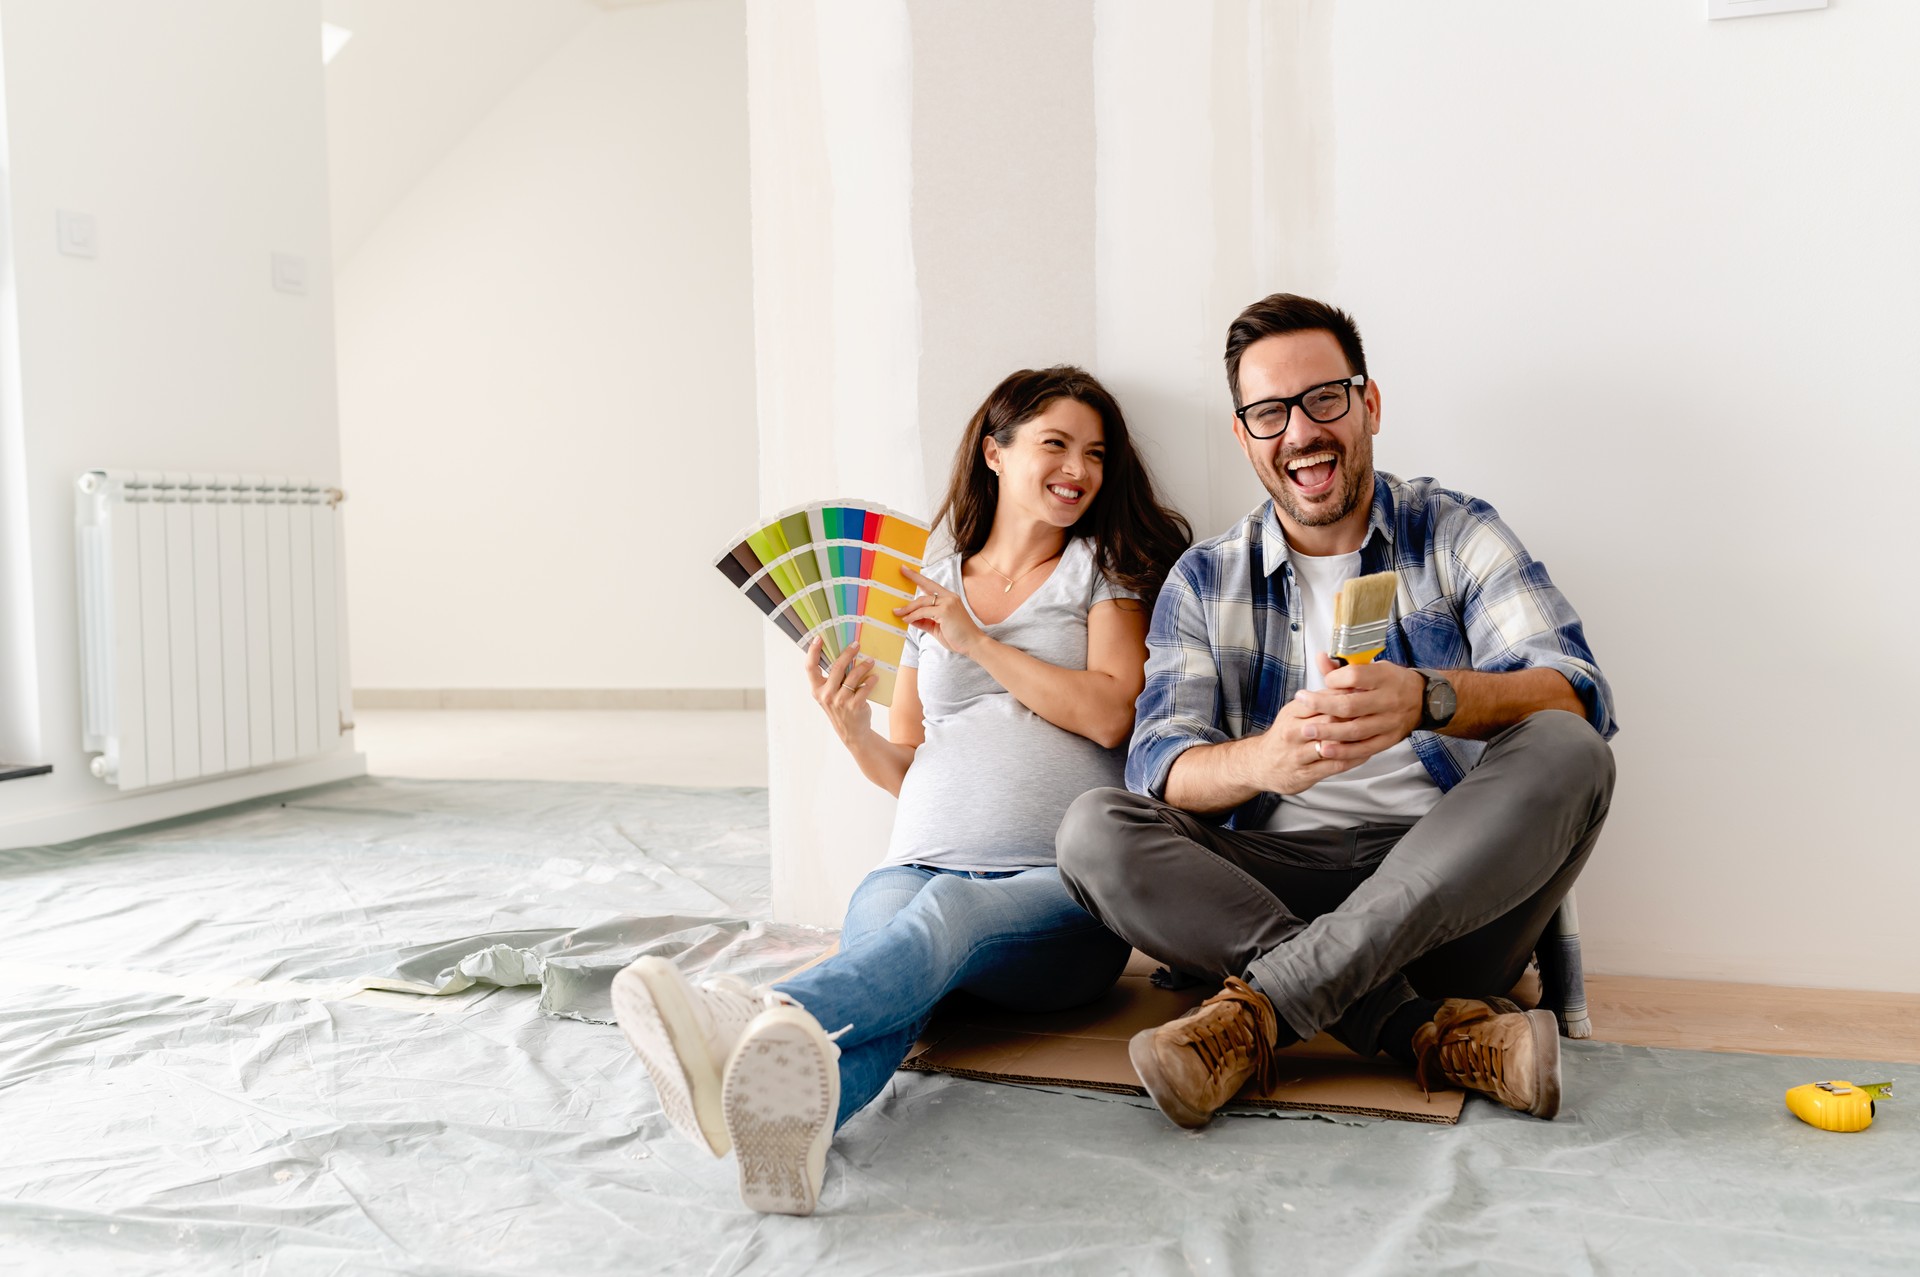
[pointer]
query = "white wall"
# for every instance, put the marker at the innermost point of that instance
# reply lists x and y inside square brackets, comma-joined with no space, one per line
[1209,130]
[412,80]
[1647,283]
[547,379]
[1002,203]
[193,133]
[1155,202]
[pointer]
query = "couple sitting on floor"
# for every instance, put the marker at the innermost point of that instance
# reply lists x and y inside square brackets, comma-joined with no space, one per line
[1370,849]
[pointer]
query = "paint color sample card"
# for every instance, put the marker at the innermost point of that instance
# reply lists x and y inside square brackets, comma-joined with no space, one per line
[836,570]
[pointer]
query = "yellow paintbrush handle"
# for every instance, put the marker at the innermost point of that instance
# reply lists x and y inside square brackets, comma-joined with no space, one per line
[1360,658]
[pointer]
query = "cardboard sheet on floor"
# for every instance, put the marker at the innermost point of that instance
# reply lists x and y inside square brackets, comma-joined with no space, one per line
[1086,1049]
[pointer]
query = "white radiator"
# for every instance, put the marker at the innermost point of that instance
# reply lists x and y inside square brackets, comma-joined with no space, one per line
[209,624]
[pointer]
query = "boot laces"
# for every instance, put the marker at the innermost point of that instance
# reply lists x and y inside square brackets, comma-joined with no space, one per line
[1240,1031]
[1480,1064]
[1456,1054]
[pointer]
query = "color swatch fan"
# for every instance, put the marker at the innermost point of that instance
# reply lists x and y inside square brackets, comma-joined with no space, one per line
[833,569]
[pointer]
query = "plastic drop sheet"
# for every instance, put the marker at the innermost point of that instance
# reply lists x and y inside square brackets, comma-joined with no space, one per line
[362,1032]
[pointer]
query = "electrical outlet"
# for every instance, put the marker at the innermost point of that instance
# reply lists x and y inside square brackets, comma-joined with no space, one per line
[290,273]
[78,236]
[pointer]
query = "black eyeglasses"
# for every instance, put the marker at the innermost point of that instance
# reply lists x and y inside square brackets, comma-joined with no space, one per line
[1328,401]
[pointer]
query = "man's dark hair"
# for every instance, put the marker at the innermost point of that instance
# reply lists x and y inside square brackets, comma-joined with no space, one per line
[1290,313]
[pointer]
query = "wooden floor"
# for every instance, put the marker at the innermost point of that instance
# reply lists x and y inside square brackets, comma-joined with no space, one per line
[1703,1015]
[728,747]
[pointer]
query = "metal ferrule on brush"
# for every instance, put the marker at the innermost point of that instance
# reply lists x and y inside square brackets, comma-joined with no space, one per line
[1351,640]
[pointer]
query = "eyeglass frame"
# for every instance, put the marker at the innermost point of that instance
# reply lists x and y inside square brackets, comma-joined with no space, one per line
[1356,382]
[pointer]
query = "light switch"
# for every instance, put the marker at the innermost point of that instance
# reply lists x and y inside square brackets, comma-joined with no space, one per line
[78,235]
[290,273]
[1754,8]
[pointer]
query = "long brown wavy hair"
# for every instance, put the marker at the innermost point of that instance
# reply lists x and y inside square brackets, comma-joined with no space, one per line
[1137,538]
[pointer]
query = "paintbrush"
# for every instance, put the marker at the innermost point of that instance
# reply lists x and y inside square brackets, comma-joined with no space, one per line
[1361,609]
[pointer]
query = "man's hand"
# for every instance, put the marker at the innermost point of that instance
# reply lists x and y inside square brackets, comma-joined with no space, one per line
[1363,709]
[1296,752]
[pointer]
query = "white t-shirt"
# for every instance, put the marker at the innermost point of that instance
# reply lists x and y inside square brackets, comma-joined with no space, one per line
[1391,787]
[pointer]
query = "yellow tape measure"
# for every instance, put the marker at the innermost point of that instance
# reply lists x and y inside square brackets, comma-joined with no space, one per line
[1837,1105]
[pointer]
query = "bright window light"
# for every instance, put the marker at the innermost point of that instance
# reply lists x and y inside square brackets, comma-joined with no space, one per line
[332,40]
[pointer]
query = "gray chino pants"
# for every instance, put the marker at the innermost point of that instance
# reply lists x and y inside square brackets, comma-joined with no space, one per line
[1339,928]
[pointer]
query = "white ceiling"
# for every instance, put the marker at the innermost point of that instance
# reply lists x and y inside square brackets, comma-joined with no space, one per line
[414,79]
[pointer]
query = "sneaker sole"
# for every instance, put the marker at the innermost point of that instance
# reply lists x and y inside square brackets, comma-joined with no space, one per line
[1546,1059]
[1146,1063]
[781,1097]
[650,1005]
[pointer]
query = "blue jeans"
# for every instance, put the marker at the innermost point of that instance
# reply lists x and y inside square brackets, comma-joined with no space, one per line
[914,934]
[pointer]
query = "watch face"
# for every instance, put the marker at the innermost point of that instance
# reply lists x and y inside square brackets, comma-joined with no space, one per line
[1440,701]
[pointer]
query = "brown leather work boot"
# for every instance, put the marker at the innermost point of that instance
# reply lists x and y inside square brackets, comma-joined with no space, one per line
[1193,1065]
[1513,1056]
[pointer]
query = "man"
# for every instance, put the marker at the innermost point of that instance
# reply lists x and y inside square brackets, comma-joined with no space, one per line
[1371,849]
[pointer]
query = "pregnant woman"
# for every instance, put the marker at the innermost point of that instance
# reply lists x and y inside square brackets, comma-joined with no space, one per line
[1026,651]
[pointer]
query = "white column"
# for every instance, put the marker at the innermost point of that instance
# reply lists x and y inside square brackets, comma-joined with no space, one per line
[836,329]
[19,670]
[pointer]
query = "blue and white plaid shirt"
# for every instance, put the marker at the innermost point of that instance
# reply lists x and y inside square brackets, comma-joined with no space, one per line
[1226,653]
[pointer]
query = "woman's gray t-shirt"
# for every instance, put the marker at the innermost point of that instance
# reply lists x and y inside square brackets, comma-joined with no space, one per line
[987,789]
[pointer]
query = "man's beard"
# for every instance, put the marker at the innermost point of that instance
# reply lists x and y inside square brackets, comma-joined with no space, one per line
[1356,485]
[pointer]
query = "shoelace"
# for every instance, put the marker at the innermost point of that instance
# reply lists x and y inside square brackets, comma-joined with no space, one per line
[774,998]
[1457,1054]
[741,1002]
[1223,1039]
[1467,1058]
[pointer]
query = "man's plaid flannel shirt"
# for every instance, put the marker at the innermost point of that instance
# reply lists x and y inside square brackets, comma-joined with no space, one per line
[1225,652]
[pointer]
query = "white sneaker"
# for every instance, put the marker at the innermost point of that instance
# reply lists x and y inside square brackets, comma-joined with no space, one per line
[684,1035]
[781,1096]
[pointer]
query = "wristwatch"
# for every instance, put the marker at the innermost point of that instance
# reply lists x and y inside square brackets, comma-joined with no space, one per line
[1437,703]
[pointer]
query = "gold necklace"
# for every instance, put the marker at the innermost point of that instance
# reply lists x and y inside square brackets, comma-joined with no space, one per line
[1015,580]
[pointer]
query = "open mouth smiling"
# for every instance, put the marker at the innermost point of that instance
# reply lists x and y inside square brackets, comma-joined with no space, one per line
[1067,492]
[1312,473]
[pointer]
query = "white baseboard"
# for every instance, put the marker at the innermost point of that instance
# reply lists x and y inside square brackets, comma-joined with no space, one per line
[669,698]
[113,814]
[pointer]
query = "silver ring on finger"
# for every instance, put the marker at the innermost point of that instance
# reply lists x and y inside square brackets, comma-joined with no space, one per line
[1320,748]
